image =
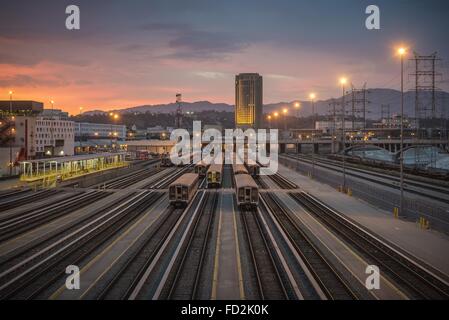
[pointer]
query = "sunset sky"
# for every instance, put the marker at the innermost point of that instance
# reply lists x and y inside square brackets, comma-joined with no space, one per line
[131,53]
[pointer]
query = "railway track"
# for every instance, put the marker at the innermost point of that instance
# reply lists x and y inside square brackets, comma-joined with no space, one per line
[21,253]
[121,285]
[388,180]
[138,176]
[269,284]
[282,182]
[150,283]
[30,278]
[14,202]
[262,184]
[11,226]
[418,280]
[409,180]
[7,194]
[169,178]
[185,284]
[328,278]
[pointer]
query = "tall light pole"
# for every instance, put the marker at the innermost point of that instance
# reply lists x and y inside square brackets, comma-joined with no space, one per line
[276,115]
[11,132]
[312,97]
[297,106]
[81,134]
[284,112]
[343,81]
[269,121]
[114,116]
[51,128]
[402,52]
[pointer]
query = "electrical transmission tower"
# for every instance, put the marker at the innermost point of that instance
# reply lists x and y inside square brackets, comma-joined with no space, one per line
[335,113]
[359,104]
[425,75]
[385,114]
[178,123]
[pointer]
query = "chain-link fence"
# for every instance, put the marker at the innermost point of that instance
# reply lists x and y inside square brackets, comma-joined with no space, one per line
[380,196]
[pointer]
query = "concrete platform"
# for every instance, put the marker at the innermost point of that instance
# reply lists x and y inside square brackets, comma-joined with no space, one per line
[227,277]
[99,267]
[430,246]
[353,265]
[61,222]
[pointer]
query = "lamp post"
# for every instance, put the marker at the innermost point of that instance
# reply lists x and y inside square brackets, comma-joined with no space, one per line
[51,129]
[81,134]
[297,106]
[114,116]
[11,132]
[284,112]
[269,121]
[402,52]
[276,115]
[312,97]
[343,81]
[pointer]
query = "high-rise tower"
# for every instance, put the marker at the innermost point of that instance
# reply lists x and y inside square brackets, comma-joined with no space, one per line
[248,100]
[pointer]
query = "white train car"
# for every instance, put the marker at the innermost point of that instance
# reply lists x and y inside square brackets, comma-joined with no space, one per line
[253,169]
[239,169]
[182,191]
[215,176]
[166,161]
[246,190]
[201,169]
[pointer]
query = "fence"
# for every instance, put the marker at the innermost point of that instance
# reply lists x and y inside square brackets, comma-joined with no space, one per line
[380,196]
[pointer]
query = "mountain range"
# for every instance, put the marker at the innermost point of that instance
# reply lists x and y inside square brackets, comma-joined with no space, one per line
[375,99]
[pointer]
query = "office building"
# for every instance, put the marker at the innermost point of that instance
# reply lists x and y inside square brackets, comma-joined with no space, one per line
[86,131]
[248,100]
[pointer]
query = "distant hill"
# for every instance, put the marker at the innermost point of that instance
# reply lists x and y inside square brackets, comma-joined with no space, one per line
[376,97]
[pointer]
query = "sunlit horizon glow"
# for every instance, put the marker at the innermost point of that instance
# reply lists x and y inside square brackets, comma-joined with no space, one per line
[137,54]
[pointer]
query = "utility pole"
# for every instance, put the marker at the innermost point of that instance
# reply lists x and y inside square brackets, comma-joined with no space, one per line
[359,104]
[81,134]
[11,132]
[425,75]
[178,111]
[343,129]
[51,129]
[402,52]
[312,97]
[385,114]
[333,111]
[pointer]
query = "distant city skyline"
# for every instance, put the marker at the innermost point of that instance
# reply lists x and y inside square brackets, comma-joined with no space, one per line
[145,52]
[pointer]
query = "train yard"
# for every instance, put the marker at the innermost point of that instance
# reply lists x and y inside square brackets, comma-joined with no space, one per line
[204,232]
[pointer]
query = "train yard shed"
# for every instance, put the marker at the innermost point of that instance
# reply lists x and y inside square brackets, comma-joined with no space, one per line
[49,171]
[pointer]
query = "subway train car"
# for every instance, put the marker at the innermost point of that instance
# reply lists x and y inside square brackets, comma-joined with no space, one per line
[182,191]
[246,190]
[253,169]
[239,169]
[201,169]
[165,161]
[214,176]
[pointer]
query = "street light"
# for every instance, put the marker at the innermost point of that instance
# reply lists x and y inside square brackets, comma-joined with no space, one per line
[81,134]
[114,116]
[284,112]
[269,121]
[276,115]
[312,97]
[297,106]
[51,128]
[343,81]
[11,132]
[402,51]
